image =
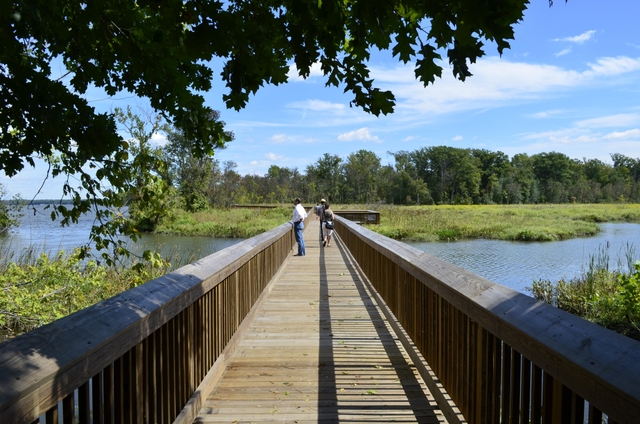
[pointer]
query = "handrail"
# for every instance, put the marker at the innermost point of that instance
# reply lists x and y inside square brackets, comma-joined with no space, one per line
[501,355]
[360,216]
[141,355]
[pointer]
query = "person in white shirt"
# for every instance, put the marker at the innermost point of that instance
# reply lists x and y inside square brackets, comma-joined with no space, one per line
[298,218]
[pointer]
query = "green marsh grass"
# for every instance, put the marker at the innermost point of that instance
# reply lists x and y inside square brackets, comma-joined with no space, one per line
[501,222]
[226,223]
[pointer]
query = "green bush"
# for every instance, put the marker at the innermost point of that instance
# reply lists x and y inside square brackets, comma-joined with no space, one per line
[630,296]
[608,298]
[37,292]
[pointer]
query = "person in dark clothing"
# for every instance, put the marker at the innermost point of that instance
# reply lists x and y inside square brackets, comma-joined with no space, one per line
[320,214]
[327,225]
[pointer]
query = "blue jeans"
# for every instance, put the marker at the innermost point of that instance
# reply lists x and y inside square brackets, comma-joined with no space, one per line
[297,228]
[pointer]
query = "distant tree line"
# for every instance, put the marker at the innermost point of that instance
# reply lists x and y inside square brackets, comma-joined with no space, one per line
[429,175]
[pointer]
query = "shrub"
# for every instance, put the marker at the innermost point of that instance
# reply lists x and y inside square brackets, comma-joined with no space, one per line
[37,292]
[608,298]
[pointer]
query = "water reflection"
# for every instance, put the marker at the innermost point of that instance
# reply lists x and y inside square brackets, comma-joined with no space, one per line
[518,264]
[37,232]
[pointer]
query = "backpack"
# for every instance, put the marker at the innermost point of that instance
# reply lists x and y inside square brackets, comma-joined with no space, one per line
[328,222]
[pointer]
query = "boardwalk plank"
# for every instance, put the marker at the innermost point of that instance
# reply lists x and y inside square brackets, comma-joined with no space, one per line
[319,350]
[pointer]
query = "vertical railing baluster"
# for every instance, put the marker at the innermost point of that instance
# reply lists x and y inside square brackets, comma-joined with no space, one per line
[515,395]
[51,416]
[536,395]
[577,409]
[595,415]
[109,394]
[97,393]
[505,393]
[84,403]
[547,398]
[150,378]
[118,390]
[139,396]
[68,409]
[525,395]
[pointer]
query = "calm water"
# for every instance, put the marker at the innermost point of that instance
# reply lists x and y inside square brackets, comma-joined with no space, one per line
[37,230]
[513,264]
[518,264]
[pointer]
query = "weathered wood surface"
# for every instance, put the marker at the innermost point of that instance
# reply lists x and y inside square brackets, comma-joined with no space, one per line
[40,368]
[495,335]
[320,350]
[360,217]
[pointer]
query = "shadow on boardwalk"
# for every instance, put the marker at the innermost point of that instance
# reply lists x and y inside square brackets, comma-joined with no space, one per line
[320,350]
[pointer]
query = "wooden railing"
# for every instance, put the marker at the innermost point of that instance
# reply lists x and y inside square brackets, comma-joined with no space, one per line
[236,206]
[360,217]
[148,355]
[502,356]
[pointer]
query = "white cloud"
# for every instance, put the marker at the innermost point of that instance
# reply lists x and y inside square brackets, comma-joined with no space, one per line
[457,138]
[565,136]
[317,106]
[362,134]
[624,135]
[314,71]
[579,142]
[546,114]
[262,165]
[278,138]
[273,156]
[563,52]
[578,39]
[283,138]
[611,66]
[496,83]
[619,120]
[159,139]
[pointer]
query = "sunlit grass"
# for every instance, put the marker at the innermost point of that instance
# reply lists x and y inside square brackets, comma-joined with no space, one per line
[501,222]
[227,223]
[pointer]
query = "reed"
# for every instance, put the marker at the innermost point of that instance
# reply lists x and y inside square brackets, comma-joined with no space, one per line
[600,294]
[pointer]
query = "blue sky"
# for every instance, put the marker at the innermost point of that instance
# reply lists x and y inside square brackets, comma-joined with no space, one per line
[570,83]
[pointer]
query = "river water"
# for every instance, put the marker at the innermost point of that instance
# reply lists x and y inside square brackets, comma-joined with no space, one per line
[518,264]
[513,264]
[38,232]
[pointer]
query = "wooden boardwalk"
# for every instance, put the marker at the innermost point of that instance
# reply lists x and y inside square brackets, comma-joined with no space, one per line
[320,350]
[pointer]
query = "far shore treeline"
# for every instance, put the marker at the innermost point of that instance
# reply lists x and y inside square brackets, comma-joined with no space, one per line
[430,175]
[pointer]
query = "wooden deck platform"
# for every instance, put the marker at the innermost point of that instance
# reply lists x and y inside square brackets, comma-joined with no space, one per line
[320,350]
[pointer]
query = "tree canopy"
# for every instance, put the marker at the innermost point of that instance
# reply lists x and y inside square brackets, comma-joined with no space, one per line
[442,175]
[163,50]
[160,50]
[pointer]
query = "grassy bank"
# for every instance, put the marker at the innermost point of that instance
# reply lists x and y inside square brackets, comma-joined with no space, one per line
[501,222]
[424,223]
[228,223]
